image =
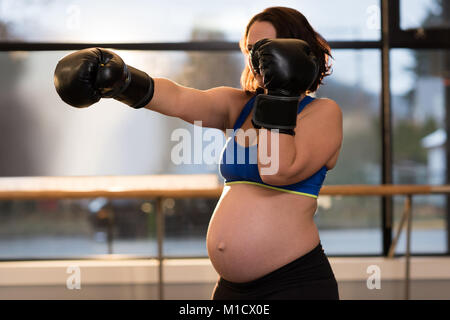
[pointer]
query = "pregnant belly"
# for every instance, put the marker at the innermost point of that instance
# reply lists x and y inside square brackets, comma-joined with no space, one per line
[255,230]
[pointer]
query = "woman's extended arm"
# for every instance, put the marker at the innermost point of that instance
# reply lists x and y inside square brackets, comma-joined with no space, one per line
[83,77]
[211,106]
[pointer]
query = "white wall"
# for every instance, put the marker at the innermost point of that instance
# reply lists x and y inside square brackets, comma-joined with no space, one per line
[195,279]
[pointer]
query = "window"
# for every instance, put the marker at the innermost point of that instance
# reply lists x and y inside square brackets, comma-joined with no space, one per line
[42,136]
[54,229]
[47,137]
[428,14]
[173,21]
[418,104]
[351,225]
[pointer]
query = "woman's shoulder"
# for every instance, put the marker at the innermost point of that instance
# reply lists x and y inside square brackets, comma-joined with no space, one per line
[323,105]
[325,101]
[237,96]
[238,100]
[234,96]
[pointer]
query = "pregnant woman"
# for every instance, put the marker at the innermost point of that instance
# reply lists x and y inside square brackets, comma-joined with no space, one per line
[262,239]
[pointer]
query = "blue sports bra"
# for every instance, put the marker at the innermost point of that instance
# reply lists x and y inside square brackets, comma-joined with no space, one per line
[244,167]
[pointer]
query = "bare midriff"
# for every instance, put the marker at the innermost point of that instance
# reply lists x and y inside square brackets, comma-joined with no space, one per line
[256,230]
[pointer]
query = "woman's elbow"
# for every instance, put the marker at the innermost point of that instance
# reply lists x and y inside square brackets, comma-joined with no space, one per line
[278,175]
[277,179]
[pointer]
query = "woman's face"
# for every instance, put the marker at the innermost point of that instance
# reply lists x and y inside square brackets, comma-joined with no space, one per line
[259,30]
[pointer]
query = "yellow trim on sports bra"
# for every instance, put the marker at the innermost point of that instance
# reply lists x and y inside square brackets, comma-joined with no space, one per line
[274,188]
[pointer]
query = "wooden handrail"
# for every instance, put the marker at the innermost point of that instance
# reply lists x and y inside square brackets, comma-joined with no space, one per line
[376,190]
[177,186]
[145,186]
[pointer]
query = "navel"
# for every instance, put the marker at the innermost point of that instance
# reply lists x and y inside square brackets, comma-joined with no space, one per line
[221,246]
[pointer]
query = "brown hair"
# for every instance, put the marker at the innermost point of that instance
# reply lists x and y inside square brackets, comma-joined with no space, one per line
[288,23]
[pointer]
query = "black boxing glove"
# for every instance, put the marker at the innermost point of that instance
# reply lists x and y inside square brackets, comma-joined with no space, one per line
[84,77]
[288,68]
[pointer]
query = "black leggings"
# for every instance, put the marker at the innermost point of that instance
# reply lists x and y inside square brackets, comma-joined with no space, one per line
[309,277]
